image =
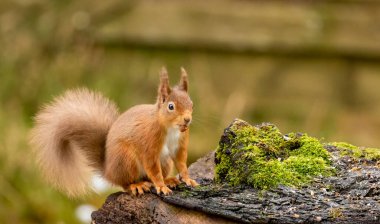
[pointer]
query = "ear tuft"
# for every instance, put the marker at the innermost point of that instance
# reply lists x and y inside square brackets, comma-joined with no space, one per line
[184,82]
[164,89]
[164,73]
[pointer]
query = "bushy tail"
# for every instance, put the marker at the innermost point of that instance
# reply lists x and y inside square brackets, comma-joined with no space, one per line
[69,139]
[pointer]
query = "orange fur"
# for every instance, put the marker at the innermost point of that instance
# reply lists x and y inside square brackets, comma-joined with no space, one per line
[136,139]
[138,146]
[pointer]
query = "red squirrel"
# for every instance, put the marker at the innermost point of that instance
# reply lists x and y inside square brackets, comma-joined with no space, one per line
[81,132]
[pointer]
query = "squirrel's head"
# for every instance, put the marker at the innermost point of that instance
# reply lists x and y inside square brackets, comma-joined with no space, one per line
[174,104]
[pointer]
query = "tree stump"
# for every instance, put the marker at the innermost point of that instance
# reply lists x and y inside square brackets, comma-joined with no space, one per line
[352,195]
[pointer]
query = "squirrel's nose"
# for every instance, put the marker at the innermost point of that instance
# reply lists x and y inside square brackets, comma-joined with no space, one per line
[187,120]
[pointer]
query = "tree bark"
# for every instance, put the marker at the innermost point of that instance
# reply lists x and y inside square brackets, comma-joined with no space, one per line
[351,196]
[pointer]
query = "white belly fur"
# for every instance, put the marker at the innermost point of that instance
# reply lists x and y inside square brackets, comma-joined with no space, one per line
[171,143]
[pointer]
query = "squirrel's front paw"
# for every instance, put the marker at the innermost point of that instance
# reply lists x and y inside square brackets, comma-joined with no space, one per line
[190,182]
[163,189]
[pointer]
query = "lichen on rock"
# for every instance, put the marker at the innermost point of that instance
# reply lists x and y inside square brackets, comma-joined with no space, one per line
[262,157]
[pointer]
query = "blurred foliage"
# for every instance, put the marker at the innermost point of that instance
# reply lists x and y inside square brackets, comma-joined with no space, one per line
[50,46]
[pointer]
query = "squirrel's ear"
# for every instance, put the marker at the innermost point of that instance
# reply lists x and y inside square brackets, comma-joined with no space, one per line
[184,82]
[164,89]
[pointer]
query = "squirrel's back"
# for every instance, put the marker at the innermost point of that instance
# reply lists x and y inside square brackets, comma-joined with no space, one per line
[69,138]
[132,123]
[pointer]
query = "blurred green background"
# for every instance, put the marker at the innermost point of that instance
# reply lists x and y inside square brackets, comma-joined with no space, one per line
[309,66]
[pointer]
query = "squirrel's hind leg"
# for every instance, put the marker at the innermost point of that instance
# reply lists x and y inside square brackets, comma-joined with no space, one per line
[172,182]
[138,188]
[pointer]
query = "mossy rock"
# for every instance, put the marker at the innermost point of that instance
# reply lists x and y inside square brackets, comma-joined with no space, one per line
[262,157]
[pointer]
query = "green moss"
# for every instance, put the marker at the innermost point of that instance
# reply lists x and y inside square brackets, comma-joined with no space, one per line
[347,149]
[270,174]
[310,147]
[372,153]
[202,188]
[186,193]
[263,158]
[308,166]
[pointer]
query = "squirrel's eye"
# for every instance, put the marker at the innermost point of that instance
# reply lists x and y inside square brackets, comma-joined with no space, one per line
[171,106]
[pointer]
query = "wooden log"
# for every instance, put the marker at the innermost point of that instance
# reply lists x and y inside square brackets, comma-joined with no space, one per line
[350,196]
[148,208]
